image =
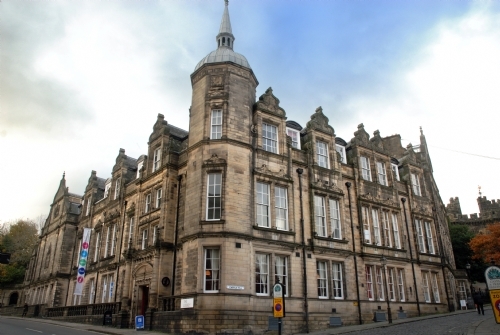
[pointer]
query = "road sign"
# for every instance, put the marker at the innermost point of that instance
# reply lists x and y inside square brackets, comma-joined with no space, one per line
[139,322]
[495,304]
[278,301]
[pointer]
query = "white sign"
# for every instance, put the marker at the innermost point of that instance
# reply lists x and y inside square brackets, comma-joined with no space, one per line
[234,287]
[82,261]
[187,303]
[492,275]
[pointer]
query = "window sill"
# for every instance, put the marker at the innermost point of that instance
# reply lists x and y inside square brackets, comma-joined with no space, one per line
[106,258]
[274,230]
[205,222]
[330,239]
[382,247]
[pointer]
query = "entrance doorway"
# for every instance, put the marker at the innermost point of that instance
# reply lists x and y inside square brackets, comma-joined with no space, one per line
[142,303]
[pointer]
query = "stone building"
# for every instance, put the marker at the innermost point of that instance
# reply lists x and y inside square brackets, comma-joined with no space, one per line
[195,233]
[489,213]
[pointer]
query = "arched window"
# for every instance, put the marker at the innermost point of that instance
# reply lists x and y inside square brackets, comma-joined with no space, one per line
[13,298]
[223,41]
[47,257]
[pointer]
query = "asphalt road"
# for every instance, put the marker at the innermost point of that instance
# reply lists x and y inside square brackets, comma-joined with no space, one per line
[457,324]
[10,326]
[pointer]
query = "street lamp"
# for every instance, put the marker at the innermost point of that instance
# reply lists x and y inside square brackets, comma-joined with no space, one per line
[467,266]
[383,261]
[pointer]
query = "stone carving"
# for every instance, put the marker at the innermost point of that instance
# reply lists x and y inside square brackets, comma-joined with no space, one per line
[214,160]
[269,103]
[264,169]
[216,80]
[331,186]
[377,140]
[360,135]
[320,122]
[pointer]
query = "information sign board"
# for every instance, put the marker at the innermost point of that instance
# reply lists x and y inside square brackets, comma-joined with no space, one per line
[139,322]
[278,301]
[495,304]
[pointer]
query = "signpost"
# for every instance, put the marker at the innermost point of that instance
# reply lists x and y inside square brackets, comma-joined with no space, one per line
[278,304]
[492,275]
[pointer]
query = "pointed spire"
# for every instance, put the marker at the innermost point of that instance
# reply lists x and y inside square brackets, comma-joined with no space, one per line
[225,37]
[64,174]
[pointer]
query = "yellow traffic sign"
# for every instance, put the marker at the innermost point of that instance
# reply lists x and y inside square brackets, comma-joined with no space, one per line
[278,307]
[495,304]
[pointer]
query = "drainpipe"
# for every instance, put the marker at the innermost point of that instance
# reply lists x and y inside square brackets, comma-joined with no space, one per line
[71,267]
[306,306]
[348,185]
[120,251]
[179,178]
[403,200]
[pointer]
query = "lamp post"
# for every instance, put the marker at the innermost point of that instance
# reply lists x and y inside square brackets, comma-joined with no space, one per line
[383,261]
[467,266]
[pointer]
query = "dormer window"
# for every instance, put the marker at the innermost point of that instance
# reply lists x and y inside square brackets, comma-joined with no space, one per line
[117,188]
[382,177]
[139,168]
[107,188]
[341,150]
[295,135]
[322,154]
[156,159]
[395,169]
[416,184]
[270,138]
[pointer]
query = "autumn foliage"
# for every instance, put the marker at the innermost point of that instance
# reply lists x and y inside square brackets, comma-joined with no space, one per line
[486,245]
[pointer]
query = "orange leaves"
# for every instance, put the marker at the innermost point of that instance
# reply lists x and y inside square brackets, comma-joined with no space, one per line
[486,245]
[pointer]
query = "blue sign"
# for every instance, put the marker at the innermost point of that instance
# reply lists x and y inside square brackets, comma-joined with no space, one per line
[81,271]
[84,253]
[139,322]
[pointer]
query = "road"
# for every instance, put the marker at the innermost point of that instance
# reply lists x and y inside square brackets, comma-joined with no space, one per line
[447,325]
[25,326]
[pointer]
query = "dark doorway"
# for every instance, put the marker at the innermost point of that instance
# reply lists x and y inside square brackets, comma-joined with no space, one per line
[142,304]
[13,298]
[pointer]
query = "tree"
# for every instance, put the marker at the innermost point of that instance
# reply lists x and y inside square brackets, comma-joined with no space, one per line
[18,239]
[461,236]
[486,245]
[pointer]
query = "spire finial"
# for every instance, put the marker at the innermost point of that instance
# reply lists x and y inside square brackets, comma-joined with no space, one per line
[227,2]
[225,37]
[64,174]
[421,131]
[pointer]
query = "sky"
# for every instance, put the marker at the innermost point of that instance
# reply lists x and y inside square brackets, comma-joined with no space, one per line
[81,79]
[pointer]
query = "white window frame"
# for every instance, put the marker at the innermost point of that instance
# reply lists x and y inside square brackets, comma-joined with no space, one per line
[380,283]
[401,285]
[387,229]
[320,215]
[462,291]
[156,159]
[341,150]
[104,289]
[365,213]
[281,272]
[335,222]
[425,286]
[144,239]
[295,135]
[92,291]
[158,198]
[89,201]
[216,124]
[139,167]
[281,207]
[263,191]
[214,196]
[395,169]
[382,175]
[322,154]
[390,284]
[322,274]
[395,230]
[369,282]
[147,207]
[262,274]
[97,245]
[415,181]
[366,172]
[106,248]
[376,227]
[111,288]
[337,281]
[270,137]
[430,240]
[117,188]
[420,236]
[211,269]
[113,241]
[107,188]
[131,227]
[435,287]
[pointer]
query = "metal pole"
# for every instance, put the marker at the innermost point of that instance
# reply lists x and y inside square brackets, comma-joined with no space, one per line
[360,319]
[304,269]
[403,200]
[389,314]
[279,326]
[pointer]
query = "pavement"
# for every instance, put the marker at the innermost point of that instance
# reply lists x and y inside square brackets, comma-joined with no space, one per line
[485,326]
